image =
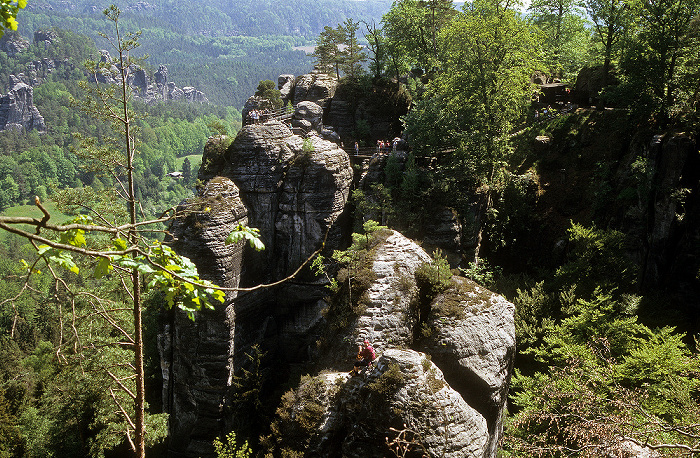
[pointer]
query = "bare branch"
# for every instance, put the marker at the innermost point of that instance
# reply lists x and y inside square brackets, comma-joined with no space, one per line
[121,385]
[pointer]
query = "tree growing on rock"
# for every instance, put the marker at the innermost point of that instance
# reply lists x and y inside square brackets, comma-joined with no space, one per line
[328,53]
[269,91]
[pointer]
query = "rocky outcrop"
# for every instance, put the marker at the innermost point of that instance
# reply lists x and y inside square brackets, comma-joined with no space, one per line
[12,43]
[443,230]
[196,356]
[294,196]
[255,102]
[285,84]
[334,415]
[17,110]
[294,190]
[45,37]
[160,89]
[589,83]
[308,116]
[315,87]
[471,337]
[666,223]
[468,331]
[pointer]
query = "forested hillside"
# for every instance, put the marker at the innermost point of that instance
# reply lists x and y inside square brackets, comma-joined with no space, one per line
[222,49]
[38,164]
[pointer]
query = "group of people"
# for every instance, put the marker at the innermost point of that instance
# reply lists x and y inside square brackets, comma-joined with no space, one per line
[384,145]
[256,116]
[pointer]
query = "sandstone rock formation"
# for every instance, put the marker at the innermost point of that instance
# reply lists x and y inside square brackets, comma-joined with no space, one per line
[335,415]
[308,116]
[17,110]
[196,357]
[315,87]
[468,331]
[472,339]
[285,84]
[295,190]
[294,197]
[12,43]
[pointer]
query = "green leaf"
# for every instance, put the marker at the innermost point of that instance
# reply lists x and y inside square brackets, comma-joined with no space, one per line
[120,244]
[104,266]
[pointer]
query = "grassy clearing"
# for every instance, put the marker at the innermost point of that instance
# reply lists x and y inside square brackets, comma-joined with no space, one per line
[195,160]
[32,211]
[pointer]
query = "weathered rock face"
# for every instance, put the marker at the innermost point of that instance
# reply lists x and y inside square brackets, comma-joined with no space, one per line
[444,230]
[13,43]
[285,84]
[468,331]
[589,82]
[353,417]
[47,37]
[17,110]
[294,190]
[308,116]
[380,110]
[292,196]
[669,253]
[315,87]
[255,103]
[472,339]
[196,357]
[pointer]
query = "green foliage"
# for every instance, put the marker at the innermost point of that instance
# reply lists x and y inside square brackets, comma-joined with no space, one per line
[8,12]
[229,448]
[434,277]
[245,233]
[411,28]
[267,89]
[566,40]
[481,272]
[297,418]
[597,258]
[388,382]
[607,369]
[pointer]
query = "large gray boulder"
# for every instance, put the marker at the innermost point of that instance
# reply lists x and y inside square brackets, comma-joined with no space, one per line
[266,179]
[309,116]
[315,87]
[471,337]
[468,331]
[17,110]
[335,415]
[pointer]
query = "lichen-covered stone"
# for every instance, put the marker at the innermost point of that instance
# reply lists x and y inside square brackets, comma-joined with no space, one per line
[472,339]
[333,414]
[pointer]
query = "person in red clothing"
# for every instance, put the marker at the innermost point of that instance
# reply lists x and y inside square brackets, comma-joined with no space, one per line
[365,356]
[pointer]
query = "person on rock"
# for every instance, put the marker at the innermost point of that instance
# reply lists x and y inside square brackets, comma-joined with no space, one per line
[365,356]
